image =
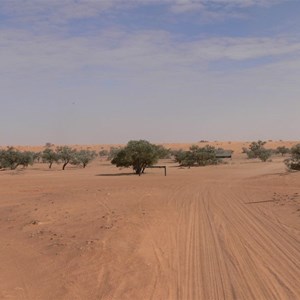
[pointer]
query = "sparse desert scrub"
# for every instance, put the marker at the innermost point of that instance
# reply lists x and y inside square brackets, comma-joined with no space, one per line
[257,150]
[197,156]
[293,163]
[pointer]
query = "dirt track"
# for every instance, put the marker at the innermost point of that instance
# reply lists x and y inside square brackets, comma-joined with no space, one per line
[221,232]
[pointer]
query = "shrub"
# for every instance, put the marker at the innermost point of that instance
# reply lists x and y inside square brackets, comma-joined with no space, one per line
[282,150]
[179,155]
[199,156]
[163,152]
[264,154]
[257,150]
[103,153]
[293,163]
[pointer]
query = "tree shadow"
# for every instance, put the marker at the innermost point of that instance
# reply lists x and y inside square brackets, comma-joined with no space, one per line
[117,174]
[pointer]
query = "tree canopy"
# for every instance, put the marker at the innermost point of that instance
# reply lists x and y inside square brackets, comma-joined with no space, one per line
[138,155]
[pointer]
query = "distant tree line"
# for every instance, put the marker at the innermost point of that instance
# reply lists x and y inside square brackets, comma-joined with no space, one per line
[140,154]
[11,158]
[258,150]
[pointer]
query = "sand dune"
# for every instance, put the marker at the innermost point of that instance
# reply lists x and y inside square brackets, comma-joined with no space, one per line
[235,146]
[221,232]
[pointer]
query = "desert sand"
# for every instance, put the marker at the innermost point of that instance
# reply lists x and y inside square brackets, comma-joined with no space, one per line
[230,231]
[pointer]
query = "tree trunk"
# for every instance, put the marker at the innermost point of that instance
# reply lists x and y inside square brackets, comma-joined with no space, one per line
[64,165]
[13,167]
[50,165]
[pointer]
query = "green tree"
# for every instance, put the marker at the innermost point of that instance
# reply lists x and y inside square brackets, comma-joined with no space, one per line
[293,163]
[282,150]
[179,155]
[26,158]
[12,158]
[113,151]
[264,154]
[83,157]
[50,156]
[138,155]
[197,156]
[66,155]
[163,153]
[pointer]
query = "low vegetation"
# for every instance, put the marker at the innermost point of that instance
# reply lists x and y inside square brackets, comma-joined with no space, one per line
[50,156]
[140,154]
[257,150]
[83,157]
[11,158]
[293,163]
[282,150]
[197,156]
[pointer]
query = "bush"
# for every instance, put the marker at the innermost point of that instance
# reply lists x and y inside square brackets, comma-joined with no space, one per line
[179,155]
[264,154]
[257,150]
[137,154]
[294,162]
[197,156]
[103,153]
[282,150]
[12,158]
[163,153]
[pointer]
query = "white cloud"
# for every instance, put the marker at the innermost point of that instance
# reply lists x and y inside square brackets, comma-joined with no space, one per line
[144,51]
[59,11]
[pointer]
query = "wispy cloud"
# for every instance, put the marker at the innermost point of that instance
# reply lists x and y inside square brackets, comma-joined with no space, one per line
[63,10]
[145,50]
[151,66]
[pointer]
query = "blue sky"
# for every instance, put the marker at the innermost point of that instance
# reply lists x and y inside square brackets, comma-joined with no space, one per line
[107,71]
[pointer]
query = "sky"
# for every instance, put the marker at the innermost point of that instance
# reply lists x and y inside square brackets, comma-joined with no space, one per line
[109,71]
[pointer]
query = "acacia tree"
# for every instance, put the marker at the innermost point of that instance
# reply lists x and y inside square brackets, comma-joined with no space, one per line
[138,155]
[83,157]
[293,163]
[12,158]
[282,150]
[66,155]
[26,158]
[50,156]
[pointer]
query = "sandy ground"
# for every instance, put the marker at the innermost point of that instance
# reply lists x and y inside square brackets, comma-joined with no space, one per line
[222,232]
